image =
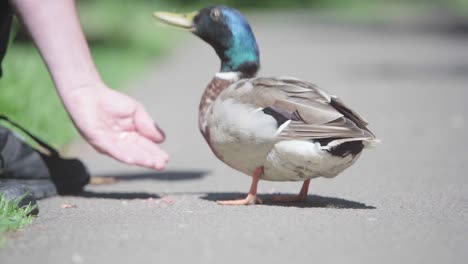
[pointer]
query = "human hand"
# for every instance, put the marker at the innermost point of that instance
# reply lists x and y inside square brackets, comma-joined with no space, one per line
[113,123]
[116,125]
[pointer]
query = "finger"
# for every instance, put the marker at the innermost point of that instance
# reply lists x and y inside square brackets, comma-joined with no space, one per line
[116,152]
[134,149]
[143,151]
[152,155]
[145,126]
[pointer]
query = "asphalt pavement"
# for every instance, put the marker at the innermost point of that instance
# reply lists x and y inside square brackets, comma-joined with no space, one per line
[405,201]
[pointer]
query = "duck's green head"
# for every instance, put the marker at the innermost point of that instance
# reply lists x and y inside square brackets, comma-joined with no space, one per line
[226,30]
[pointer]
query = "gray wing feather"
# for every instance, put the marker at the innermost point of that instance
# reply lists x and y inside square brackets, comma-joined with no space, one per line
[317,114]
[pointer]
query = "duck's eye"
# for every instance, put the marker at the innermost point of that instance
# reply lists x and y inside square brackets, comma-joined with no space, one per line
[215,14]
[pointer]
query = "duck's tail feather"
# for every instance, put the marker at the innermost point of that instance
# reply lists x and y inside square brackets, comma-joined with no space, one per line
[371,143]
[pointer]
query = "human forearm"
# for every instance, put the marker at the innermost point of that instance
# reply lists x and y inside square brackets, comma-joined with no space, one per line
[111,122]
[56,31]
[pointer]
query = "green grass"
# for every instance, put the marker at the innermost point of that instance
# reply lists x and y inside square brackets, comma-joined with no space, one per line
[29,98]
[12,218]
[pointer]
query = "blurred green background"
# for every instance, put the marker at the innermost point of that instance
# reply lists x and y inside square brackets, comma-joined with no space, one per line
[124,39]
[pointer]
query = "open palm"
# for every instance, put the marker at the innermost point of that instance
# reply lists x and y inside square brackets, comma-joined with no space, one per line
[116,125]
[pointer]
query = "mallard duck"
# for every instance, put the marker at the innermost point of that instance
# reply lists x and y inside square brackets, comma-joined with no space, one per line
[270,128]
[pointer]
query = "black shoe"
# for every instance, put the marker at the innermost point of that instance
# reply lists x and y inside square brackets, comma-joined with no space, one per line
[43,174]
[20,194]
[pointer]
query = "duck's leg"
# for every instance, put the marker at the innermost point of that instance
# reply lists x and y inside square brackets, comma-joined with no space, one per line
[301,197]
[252,196]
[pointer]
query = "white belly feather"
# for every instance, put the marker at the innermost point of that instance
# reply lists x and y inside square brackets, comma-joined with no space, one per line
[299,160]
[245,139]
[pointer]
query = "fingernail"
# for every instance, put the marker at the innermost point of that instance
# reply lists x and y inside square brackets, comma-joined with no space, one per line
[160,131]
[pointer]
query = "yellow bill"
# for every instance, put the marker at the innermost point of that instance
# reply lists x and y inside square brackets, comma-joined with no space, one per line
[175,19]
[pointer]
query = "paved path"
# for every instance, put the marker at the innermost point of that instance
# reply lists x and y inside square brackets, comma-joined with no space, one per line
[404,202]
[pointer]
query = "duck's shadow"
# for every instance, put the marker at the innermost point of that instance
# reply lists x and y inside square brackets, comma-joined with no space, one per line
[312,201]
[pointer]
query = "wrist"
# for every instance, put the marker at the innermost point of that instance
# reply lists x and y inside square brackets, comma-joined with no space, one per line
[75,88]
[75,97]
[69,81]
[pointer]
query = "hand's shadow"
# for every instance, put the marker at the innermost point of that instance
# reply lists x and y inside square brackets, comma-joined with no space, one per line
[312,201]
[140,176]
[117,195]
[158,176]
